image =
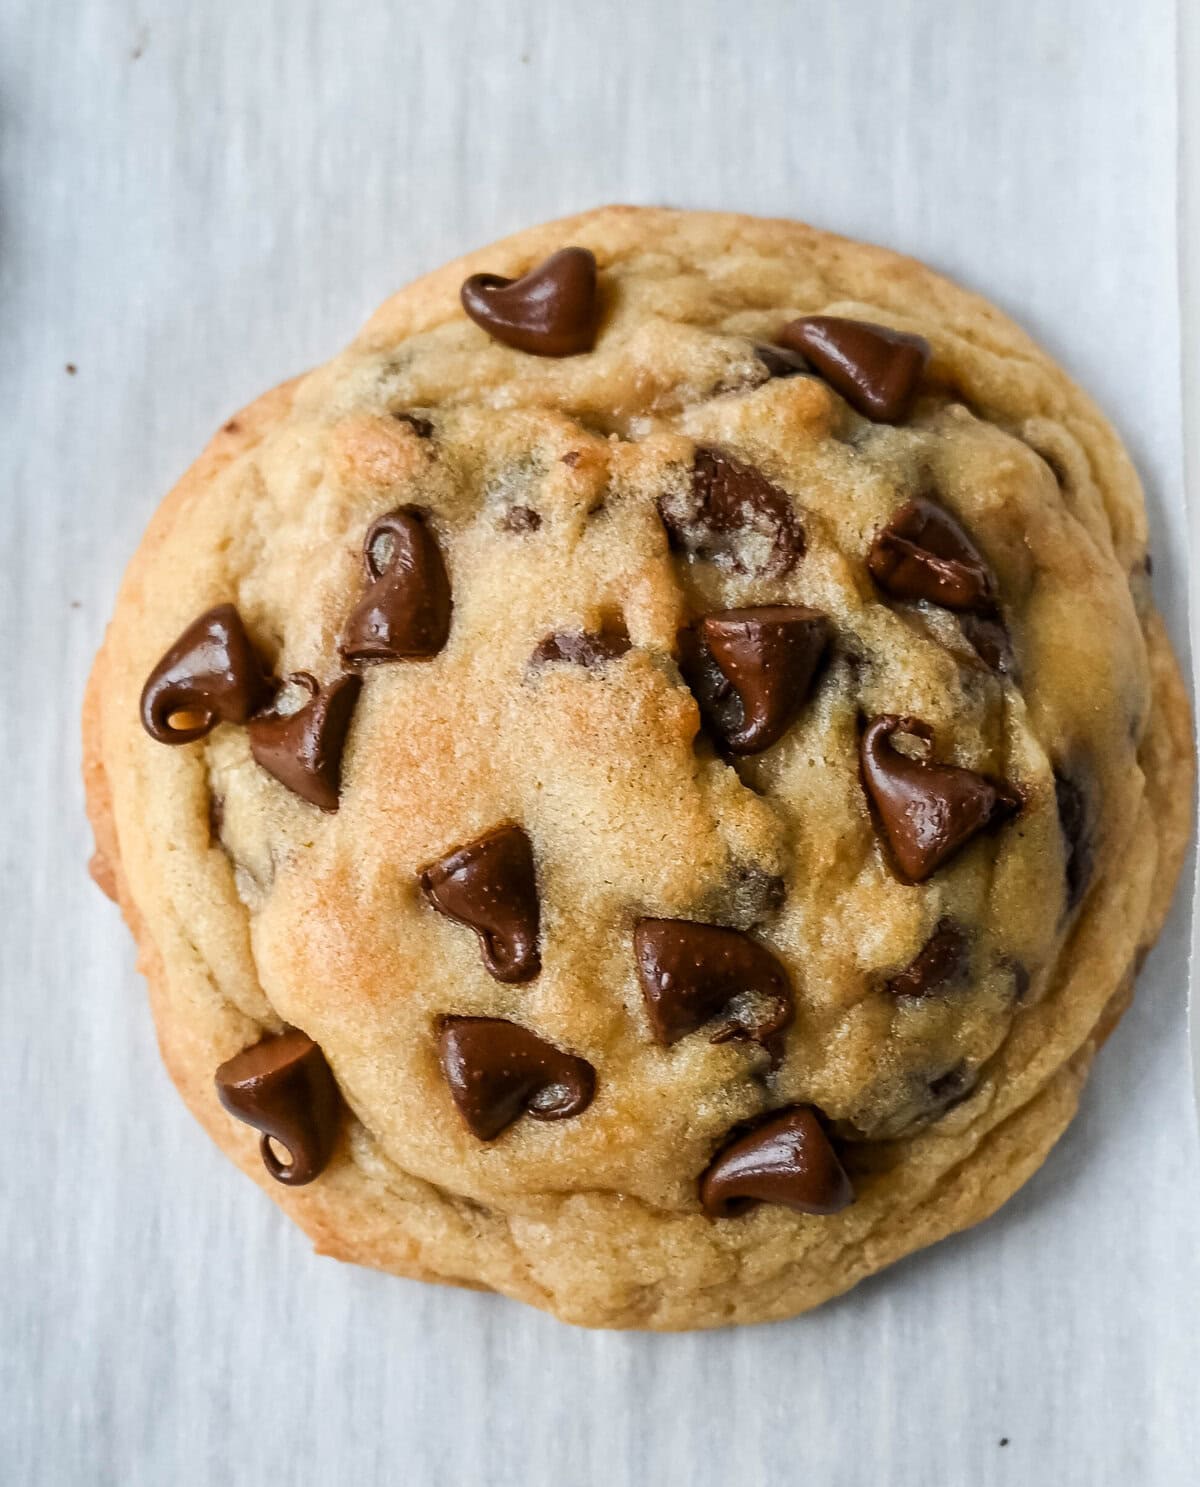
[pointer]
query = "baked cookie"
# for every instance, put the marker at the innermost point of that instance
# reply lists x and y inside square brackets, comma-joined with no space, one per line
[643,783]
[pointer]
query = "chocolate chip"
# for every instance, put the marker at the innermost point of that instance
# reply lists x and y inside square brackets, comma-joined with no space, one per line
[583,647]
[951,1088]
[571,458]
[521,519]
[990,640]
[490,885]
[780,362]
[283,1087]
[941,961]
[405,612]
[927,811]
[1073,819]
[689,972]
[924,553]
[786,1160]
[420,426]
[498,1071]
[550,311]
[209,676]
[876,369]
[731,501]
[303,749]
[752,670]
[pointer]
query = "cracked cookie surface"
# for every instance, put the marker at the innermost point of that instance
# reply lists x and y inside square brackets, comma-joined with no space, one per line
[736,762]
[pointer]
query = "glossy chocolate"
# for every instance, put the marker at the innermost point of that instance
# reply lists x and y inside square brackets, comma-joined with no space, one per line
[876,369]
[210,675]
[925,553]
[691,972]
[942,961]
[490,884]
[752,670]
[405,613]
[283,1087]
[498,1071]
[786,1160]
[550,311]
[927,811]
[729,500]
[583,647]
[303,749]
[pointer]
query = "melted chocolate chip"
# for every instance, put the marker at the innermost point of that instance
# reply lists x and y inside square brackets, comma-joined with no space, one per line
[927,811]
[780,362]
[786,1160]
[729,502]
[941,961]
[498,1071]
[283,1087]
[689,972]
[951,1088]
[583,647]
[1074,822]
[303,750]
[521,519]
[924,553]
[752,669]
[209,676]
[405,612]
[876,369]
[990,640]
[490,885]
[550,311]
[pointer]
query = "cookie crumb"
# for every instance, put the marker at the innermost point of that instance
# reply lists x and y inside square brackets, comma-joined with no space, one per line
[71,369]
[1004,1440]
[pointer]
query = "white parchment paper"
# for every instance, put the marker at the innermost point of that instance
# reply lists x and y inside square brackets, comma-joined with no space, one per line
[198,200]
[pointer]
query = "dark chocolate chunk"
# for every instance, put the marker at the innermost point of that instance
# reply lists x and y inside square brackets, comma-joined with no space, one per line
[876,369]
[283,1087]
[490,884]
[924,553]
[498,1071]
[550,311]
[210,675]
[927,811]
[730,501]
[786,1160]
[405,612]
[752,669]
[303,749]
[1073,819]
[583,647]
[942,960]
[690,972]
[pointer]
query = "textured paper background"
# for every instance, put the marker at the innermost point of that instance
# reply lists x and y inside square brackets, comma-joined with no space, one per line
[198,200]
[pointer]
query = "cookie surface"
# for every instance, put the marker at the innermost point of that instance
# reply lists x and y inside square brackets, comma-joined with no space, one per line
[757,779]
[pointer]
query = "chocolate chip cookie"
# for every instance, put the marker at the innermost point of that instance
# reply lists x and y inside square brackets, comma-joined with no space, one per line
[642,784]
